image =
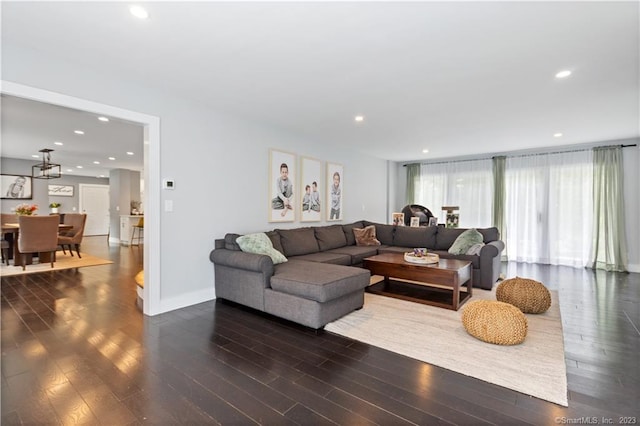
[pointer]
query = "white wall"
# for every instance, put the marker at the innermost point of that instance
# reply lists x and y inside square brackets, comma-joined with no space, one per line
[631,164]
[219,164]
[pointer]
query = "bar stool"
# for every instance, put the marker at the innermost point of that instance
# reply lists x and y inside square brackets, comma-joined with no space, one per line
[140,228]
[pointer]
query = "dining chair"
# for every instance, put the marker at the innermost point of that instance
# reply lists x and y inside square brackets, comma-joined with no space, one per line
[73,237]
[38,234]
[140,228]
[4,247]
[6,240]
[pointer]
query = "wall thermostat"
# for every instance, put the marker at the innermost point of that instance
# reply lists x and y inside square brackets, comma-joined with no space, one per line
[168,184]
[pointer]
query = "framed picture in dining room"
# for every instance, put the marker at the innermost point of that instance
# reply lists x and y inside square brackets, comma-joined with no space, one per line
[311,186]
[282,194]
[335,186]
[16,187]
[61,190]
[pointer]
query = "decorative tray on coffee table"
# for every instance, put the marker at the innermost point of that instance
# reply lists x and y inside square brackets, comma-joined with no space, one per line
[424,259]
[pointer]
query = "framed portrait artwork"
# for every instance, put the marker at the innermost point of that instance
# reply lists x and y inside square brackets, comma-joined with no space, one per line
[335,184]
[16,187]
[282,196]
[311,186]
[415,222]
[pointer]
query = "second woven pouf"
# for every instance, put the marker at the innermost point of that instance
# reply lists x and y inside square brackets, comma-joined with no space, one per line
[530,296]
[495,322]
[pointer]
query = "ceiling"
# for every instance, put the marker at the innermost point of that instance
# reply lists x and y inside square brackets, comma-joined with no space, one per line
[453,78]
[29,126]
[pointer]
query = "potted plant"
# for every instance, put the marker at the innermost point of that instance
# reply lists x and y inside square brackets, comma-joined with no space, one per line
[54,207]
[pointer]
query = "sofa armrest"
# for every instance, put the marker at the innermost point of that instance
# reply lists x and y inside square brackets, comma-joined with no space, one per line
[492,249]
[241,260]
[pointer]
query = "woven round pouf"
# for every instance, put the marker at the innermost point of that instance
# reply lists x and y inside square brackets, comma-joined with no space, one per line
[495,322]
[530,296]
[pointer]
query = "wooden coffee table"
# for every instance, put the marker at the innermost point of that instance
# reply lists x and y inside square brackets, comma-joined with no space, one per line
[436,284]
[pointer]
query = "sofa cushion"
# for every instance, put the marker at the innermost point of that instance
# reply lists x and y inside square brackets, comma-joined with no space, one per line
[326,282]
[356,253]
[299,241]
[260,244]
[475,260]
[446,236]
[489,234]
[465,240]
[230,242]
[275,240]
[366,236]
[348,231]
[384,233]
[423,236]
[330,237]
[326,257]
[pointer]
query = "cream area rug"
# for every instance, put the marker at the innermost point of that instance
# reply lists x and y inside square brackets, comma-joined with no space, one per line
[436,336]
[63,261]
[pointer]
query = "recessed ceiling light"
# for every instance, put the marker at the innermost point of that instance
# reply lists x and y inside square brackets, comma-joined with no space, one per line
[69,170]
[359,118]
[563,74]
[78,132]
[557,135]
[58,143]
[96,162]
[101,176]
[139,12]
[129,153]
[425,151]
[35,155]
[78,167]
[112,158]
[105,119]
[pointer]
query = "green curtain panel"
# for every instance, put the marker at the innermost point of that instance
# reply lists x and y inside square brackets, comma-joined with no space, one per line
[609,245]
[413,174]
[499,195]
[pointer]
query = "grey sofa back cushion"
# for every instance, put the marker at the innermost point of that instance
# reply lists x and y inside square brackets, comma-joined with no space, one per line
[384,233]
[274,236]
[330,237]
[423,236]
[489,234]
[348,231]
[230,242]
[446,236]
[296,242]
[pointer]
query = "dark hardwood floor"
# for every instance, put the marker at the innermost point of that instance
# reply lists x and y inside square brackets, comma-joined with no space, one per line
[75,349]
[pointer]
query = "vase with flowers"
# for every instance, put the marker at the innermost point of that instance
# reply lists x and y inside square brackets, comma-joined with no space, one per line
[26,209]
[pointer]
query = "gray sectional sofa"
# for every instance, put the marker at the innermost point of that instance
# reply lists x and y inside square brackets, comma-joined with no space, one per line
[322,280]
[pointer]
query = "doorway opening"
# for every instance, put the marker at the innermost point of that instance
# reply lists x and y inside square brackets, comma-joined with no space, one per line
[151,125]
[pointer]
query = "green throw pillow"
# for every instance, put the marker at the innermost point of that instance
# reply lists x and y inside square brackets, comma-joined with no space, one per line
[465,241]
[260,244]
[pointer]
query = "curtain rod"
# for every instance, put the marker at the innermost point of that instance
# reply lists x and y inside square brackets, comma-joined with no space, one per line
[524,155]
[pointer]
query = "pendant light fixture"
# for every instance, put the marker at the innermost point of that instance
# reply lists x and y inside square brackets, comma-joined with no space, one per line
[46,169]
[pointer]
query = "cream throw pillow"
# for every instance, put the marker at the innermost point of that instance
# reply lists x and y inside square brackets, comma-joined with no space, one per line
[465,241]
[260,244]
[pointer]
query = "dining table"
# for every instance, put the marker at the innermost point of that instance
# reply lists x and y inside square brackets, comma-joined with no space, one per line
[14,252]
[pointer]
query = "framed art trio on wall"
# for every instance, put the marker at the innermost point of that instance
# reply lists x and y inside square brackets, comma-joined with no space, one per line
[303,193]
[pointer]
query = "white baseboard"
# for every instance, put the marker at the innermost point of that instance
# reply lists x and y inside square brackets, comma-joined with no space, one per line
[185,300]
[634,268]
